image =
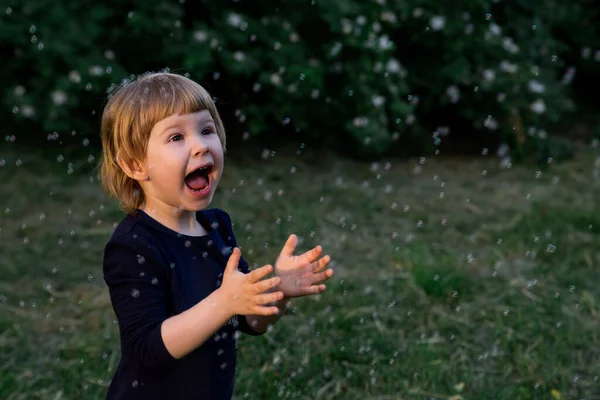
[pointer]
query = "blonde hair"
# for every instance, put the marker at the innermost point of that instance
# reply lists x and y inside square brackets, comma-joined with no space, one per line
[132,110]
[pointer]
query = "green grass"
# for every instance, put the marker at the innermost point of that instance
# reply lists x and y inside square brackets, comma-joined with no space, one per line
[483,292]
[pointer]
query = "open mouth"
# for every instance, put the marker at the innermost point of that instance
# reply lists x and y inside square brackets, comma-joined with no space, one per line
[199,179]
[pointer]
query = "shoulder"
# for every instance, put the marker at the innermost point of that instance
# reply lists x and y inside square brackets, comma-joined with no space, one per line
[217,214]
[220,217]
[131,242]
[221,221]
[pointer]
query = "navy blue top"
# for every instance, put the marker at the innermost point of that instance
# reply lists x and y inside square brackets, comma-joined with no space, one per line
[153,273]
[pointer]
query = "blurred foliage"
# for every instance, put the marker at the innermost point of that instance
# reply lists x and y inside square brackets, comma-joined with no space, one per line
[364,76]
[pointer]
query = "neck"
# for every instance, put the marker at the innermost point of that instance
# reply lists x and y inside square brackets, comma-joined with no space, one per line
[180,221]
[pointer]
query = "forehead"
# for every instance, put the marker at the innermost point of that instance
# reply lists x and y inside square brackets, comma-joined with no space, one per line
[203,116]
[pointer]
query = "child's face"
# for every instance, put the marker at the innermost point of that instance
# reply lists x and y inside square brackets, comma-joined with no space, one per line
[178,146]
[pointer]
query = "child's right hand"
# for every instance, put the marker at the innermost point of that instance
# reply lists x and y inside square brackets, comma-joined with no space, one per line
[243,293]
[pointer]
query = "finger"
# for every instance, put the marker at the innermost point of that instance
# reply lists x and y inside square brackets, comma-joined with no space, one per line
[311,255]
[233,261]
[322,263]
[267,284]
[265,310]
[322,276]
[316,289]
[268,297]
[290,245]
[260,273]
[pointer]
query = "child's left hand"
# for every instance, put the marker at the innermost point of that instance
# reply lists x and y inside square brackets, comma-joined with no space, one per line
[300,275]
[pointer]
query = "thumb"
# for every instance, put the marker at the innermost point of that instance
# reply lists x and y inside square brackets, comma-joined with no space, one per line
[233,261]
[290,246]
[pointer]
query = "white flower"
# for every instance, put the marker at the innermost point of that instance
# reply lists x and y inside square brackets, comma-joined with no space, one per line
[59,97]
[495,29]
[337,47]
[74,77]
[454,93]
[505,163]
[294,37]
[503,150]
[410,119]
[510,46]
[437,22]
[360,121]
[393,66]
[536,87]
[501,96]
[491,123]
[27,111]
[586,52]
[239,56]
[376,27]
[346,26]
[109,54]
[314,94]
[96,70]
[385,43]
[417,12]
[378,101]
[469,29]
[276,79]
[489,75]
[508,67]
[542,134]
[361,20]
[538,106]
[201,36]
[569,75]
[234,19]
[19,90]
[388,16]
[443,130]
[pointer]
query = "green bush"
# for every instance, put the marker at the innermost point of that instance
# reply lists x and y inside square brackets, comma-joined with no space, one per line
[368,76]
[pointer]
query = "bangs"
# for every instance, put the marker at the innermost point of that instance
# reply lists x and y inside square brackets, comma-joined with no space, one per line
[161,96]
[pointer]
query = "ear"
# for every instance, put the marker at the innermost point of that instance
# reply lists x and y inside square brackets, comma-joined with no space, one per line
[134,169]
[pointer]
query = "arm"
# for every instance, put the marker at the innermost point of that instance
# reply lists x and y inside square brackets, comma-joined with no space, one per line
[185,332]
[140,304]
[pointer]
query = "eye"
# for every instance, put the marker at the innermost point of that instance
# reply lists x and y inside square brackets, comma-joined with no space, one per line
[207,131]
[175,138]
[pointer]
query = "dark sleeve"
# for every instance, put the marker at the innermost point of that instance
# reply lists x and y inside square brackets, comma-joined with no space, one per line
[243,266]
[137,283]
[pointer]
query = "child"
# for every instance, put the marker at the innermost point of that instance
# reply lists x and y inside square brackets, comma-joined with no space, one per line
[178,285]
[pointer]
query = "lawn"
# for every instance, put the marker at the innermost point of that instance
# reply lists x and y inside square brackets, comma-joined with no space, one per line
[455,279]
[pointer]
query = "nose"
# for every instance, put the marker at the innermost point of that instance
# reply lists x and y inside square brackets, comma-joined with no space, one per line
[199,145]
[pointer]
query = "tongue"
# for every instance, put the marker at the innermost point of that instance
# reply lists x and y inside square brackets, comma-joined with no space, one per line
[197,181]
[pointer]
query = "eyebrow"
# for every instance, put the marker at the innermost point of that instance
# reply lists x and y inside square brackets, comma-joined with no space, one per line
[175,125]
